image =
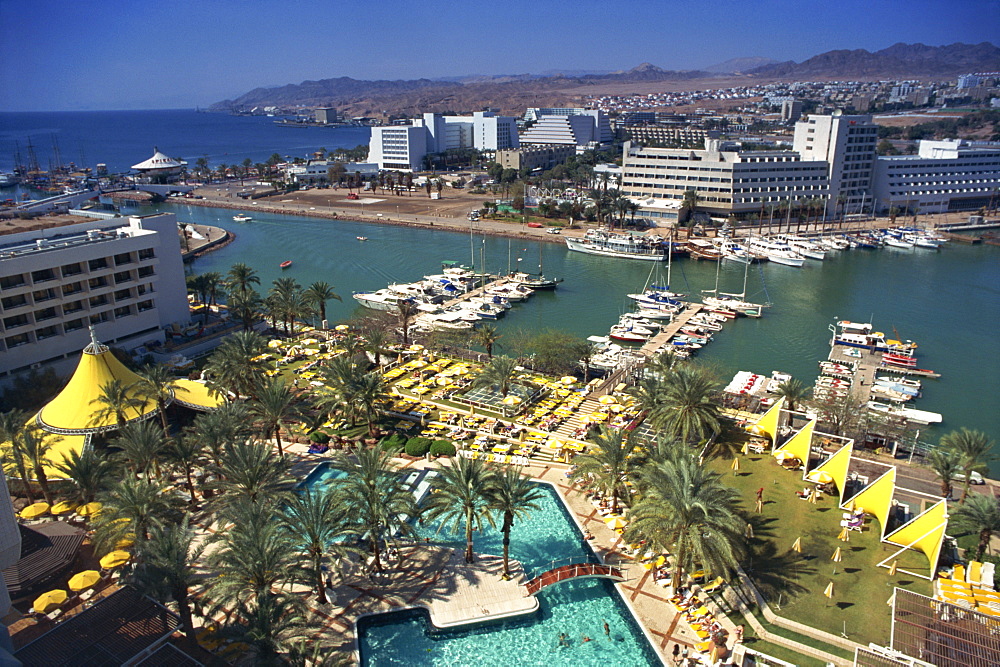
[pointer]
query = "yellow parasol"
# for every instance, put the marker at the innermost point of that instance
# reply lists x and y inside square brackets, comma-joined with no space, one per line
[845,535]
[511,400]
[615,522]
[274,343]
[607,399]
[64,507]
[115,559]
[892,569]
[749,531]
[416,347]
[813,496]
[598,416]
[829,590]
[736,464]
[90,509]
[837,556]
[34,511]
[744,450]
[46,601]
[81,581]
[341,327]
[821,477]
[782,456]
[797,545]
[567,379]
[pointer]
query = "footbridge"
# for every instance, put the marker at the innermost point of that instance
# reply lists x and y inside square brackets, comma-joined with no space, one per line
[573,571]
[153,189]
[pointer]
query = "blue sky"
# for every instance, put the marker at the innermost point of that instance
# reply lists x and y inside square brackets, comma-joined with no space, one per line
[109,54]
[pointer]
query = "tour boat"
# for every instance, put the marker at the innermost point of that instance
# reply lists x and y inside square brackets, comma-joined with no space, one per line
[287,263]
[361,238]
[620,245]
[860,334]
[242,217]
[779,253]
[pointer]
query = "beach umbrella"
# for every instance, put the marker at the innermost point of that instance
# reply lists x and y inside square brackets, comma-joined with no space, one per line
[341,327]
[274,343]
[115,559]
[81,581]
[744,450]
[892,569]
[34,511]
[567,379]
[782,456]
[736,464]
[598,416]
[90,509]
[416,347]
[837,556]
[813,496]
[821,477]
[615,522]
[829,590]
[64,507]
[759,506]
[797,545]
[607,399]
[845,535]
[46,601]
[511,400]
[749,532]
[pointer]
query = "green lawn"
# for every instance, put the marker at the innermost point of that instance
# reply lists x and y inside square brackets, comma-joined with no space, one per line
[793,583]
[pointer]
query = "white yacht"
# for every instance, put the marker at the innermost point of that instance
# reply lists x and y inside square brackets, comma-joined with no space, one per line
[779,253]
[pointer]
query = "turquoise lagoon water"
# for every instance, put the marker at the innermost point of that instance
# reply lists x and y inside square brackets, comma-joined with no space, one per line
[576,607]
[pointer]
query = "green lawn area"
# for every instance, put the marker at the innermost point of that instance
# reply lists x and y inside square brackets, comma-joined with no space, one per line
[793,583]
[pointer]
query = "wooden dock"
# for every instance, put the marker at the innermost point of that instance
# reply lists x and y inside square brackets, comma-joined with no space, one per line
[662,339]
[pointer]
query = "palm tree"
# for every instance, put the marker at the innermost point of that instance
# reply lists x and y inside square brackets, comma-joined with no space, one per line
[793,391]
[499,374]
[117,399]
[514,496]
[318,294]
[142,443]
[690,201]
[246,306]
[945,463]
[369,395]
[130,508]
[252,471]
[975,451]
[165,569]
[317,523]
[608,463]
[232,368]
[687,510]
[88,471]
[378,503]
[487,336]
[240,277]
[219,429]
[35,445]
[462,496]
[376,340]
[406,310]
[186,452]
[270,625]
[154,382]
[981,515]
[687,410]
[273,405]
[11,424]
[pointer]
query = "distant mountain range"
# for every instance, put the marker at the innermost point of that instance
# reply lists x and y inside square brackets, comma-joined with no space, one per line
[516,91]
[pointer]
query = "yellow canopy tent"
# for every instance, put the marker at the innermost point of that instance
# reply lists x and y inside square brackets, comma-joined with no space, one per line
[924,533]
[196,395]
[768,423]
[798,444]
[876,498]
[836,466]
[75,410]
[59,448]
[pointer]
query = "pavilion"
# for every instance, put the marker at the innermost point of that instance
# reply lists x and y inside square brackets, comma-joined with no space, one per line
[160,165]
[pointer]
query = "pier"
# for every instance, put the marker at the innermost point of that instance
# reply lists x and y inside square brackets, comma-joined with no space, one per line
[662,339]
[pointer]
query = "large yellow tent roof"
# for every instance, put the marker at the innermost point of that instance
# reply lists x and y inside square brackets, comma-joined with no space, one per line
[196,395]
[73,410]
[60,447]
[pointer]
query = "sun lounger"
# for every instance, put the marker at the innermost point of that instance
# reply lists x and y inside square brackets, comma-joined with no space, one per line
[987,576]
[714,585]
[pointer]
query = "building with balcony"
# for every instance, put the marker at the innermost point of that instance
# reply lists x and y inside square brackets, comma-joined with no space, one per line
[403,147]
[125,276]
[847,144]
[535,157]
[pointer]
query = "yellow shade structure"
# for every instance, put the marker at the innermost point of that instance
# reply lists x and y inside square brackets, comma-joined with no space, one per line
[797,545]
[64,507]
[46,601]
[768,423]
[829,590]
[837,466]
[34,511]
[90,509]
[75,409]
[837,556]
[196,395]
[924,533]
[81,581]
[115,559]
[341,327]
[798,445]
[511,400]
[615,522]
[607,399]
[876,498]
[567,379]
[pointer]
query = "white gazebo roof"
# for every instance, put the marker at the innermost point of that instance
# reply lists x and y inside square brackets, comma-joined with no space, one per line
[158,161]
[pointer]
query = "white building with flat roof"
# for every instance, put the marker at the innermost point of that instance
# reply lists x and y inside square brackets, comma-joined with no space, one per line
[125,276]
[435,133]
[398,147]
[949,175]
[847,144]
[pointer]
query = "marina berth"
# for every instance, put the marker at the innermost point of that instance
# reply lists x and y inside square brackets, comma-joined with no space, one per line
[620,245]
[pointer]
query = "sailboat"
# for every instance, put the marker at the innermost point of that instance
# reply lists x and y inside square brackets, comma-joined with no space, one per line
[731,301]
[536,282]
[656,300]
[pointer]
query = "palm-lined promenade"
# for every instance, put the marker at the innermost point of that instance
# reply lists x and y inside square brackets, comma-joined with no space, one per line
[223,520]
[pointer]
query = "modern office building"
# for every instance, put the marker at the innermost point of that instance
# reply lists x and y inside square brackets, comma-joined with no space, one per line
[326,115]
[950,175]
[535,157]
[125,276]
[403,147]
[791,111]
[727,182]
[969,81]
[847,144]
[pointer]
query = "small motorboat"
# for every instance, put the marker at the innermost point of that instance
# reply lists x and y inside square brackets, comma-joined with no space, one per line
[242,217]
[287,263]
[361,238]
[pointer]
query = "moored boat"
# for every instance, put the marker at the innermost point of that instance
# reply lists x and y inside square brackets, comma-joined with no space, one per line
[287,263]
[619,245]
[242,217]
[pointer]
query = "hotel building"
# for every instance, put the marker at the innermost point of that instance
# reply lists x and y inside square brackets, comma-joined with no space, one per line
[403,147]
[847,144]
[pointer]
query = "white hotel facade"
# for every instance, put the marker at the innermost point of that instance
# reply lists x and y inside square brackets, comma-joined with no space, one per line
[403,147]
[125,276]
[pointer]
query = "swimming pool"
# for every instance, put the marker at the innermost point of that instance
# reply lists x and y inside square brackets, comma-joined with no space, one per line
[578,608]
[324,474]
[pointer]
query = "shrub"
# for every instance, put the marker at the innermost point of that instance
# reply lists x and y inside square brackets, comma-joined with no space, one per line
[418,446]
[442,448]
[319,437]
[393,443]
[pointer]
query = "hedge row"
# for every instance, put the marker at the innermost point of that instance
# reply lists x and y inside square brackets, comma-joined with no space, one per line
[417,446]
